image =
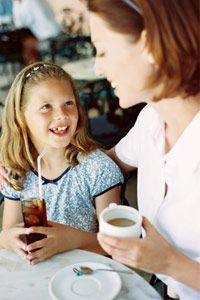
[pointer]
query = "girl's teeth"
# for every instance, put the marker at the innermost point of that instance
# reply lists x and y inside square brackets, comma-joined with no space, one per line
[59,129]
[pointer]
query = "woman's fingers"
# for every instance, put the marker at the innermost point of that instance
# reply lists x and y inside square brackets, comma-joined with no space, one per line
[3,178]
[3,172]
[3,183]
[119,243]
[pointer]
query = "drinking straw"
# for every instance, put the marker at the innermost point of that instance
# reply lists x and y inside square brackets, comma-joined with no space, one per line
[39,172]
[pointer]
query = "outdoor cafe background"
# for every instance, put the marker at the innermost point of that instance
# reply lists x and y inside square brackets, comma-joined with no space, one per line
[106,120]
[72,49]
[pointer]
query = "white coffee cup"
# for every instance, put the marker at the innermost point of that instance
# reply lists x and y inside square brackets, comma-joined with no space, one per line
[111,221]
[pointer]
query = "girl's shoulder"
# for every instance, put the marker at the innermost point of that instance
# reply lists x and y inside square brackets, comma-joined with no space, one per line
[96,156]
[29,183]
[99,170]
[98,160]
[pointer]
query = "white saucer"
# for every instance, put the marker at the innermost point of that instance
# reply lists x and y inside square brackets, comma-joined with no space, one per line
[65,284]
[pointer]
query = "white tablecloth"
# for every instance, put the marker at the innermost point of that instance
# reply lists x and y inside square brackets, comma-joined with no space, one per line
[19,281]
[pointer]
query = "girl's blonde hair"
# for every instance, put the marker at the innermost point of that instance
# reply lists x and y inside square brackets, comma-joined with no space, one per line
[18,153]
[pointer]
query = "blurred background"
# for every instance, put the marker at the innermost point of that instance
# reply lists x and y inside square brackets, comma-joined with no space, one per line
[58,31]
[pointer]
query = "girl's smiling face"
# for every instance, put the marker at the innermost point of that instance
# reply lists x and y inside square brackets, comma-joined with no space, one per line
[51,113]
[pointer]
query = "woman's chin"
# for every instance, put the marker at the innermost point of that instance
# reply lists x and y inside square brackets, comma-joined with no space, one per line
[127,102]
[124,104]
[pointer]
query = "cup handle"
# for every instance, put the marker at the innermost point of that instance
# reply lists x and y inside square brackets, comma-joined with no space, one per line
[112,205]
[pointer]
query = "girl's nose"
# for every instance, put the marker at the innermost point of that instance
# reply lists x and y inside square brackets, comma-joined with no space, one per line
[60,115]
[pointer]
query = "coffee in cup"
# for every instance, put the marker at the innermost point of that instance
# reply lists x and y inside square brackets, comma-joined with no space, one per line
[120,221]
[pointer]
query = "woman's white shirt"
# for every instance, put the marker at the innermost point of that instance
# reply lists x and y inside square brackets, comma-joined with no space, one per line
[168,184]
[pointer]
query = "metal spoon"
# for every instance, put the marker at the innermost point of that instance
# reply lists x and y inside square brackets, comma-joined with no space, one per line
[84,270]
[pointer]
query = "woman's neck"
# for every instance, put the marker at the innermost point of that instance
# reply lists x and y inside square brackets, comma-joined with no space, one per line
[177,114]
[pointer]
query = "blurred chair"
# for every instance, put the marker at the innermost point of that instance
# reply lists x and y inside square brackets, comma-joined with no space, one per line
[73,22]
[109,128]
[70,47]
[11,52]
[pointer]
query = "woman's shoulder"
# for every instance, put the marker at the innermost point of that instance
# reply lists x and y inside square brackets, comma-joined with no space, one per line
[148,119]
[148,113]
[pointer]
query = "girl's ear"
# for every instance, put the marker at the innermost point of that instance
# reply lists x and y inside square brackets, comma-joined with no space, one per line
[147,55]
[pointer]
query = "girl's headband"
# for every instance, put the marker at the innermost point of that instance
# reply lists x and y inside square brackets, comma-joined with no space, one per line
[34,69]
[131,4]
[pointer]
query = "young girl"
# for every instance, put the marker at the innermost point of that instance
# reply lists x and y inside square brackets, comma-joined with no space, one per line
[42,110]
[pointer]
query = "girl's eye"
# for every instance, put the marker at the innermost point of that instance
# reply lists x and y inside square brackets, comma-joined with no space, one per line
[45,107]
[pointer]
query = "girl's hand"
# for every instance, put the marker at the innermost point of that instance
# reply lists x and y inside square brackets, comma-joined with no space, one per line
[3,177]
[54,243]
[152,253]
[10,240]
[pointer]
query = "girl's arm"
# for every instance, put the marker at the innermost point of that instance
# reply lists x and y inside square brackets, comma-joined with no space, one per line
[62,238]
[111,196]
[11,231]
[11,213]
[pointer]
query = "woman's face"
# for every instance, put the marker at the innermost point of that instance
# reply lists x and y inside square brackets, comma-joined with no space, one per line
[123,62]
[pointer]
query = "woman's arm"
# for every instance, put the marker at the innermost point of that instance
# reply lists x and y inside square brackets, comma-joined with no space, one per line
[185,270]
[153,254]
[3,177]
[124,167]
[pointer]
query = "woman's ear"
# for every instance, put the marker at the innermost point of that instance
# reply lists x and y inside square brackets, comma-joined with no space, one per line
[147,55]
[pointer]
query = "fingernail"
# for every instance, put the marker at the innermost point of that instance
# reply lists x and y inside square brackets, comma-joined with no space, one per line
[29,257]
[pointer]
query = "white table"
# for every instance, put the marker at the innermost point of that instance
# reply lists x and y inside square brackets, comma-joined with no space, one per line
[19,281]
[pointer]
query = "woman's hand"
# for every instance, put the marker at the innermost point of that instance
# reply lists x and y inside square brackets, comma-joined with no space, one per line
[3,177]
[152,254]
[10,239]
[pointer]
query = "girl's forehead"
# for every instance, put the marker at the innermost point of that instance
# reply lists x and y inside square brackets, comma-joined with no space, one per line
[52,84]
[50,88]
